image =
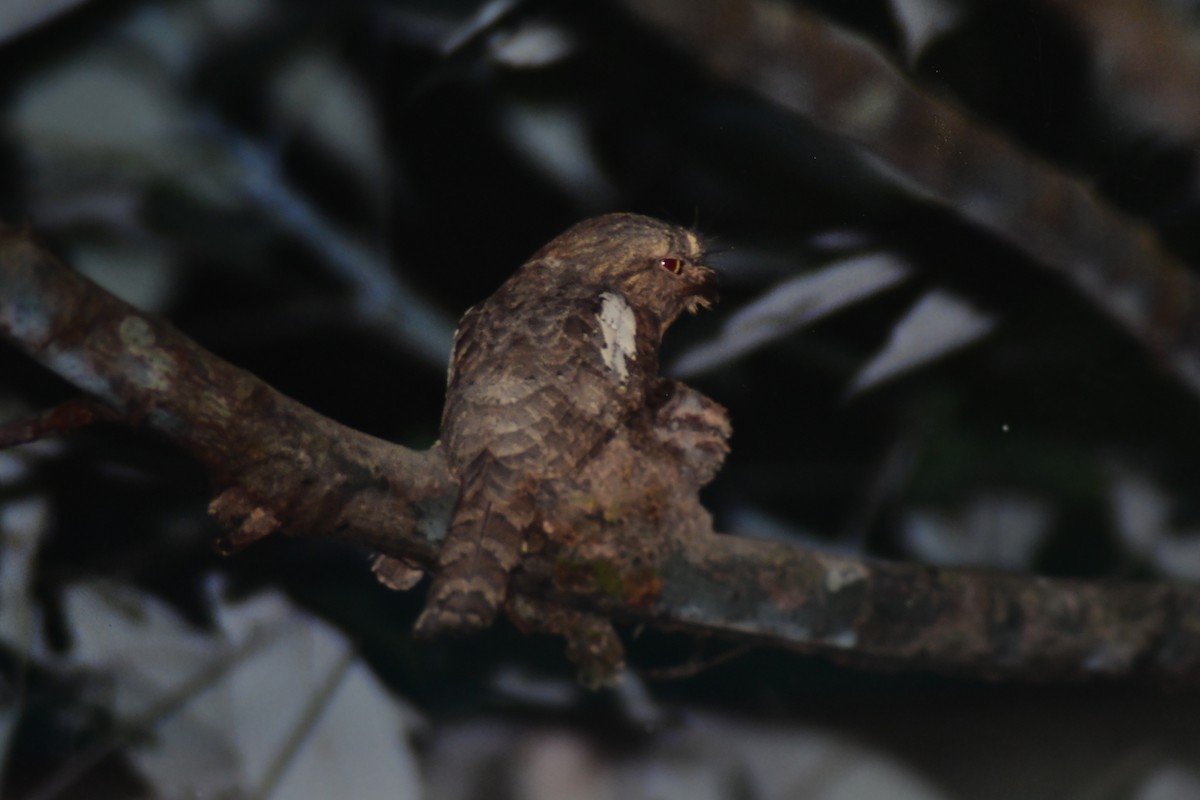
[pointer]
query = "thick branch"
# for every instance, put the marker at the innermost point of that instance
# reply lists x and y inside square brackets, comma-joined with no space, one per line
[1145,59]
[279,465]
[275,462]
[806,65]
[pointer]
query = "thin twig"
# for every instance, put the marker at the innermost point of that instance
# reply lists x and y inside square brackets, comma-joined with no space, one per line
[72,415]
[318,701]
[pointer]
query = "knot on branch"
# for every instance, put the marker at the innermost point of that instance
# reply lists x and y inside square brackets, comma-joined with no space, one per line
[245,519]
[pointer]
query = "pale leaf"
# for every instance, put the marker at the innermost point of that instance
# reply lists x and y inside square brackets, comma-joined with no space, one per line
[937,325]
[485,19]
[1169,781]
[995,529]
[531,45]
[554,140]
[318,93]
[20,16]
[923,21]
[275,705]
[1142,517]
[23,523]
[1141,510]
[790,305]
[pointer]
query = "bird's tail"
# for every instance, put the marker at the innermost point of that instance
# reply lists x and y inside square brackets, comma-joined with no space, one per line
[482,545]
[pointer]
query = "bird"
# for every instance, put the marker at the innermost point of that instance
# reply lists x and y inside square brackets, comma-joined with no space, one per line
[561,360]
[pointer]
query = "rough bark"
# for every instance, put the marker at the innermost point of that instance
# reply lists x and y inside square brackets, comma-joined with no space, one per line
[279,466]
[805,65]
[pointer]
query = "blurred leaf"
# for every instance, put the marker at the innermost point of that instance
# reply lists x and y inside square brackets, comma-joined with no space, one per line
[1141,515]
[236,14]
[308,690]
[530,45]
[994,530]
[554,141]
[102,108]
[792,304]
[923,21]
[483,20]
[938,324]
[103,125]
[317,93]
[1146,62]
[23,524]
[703,757]
[1179,556]
[1169,782]
[137,271]
[18,17]
[277,704]
[1140,510]
[153,665]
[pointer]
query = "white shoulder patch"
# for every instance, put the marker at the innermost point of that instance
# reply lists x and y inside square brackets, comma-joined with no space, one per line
[454,345]
[619,327]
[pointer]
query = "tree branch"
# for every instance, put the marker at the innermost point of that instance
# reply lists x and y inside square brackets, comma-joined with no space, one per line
[808,66]
[278,465]
[63,418]
[275,463]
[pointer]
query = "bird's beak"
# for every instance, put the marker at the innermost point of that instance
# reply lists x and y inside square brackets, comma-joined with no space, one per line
[705,293]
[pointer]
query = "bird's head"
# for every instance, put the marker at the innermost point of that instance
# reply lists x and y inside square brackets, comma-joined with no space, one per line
[657,267]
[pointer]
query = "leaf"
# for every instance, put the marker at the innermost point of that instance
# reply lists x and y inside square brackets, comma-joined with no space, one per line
[1142,516]
[23,523]
[530,45]
[922,22]
[704,756]
[1178,556]
[99,110]
[790,305]
[17,18]
[137,271]
[154,667]
[994,530]
[276,704]
[554,140]
[1140,509]
[308,710]
[320,94]
[485,19]
[938,324]
[1170,780]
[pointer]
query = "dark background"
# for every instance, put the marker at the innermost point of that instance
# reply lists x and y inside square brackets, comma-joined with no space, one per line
[317,194]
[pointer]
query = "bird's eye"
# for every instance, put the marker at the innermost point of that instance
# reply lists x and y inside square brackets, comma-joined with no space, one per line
[672,265]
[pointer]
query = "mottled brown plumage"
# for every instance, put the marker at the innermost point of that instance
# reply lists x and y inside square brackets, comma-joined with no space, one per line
[545,373]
